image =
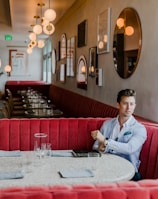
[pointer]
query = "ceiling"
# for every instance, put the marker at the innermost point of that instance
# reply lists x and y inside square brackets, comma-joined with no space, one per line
[17,16]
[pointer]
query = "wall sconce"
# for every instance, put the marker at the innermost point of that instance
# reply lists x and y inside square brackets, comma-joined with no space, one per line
[83,70]
[8,70]
[92,71]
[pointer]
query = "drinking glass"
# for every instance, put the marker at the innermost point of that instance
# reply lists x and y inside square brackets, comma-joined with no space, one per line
[93,161]
[49,148]
[40,140]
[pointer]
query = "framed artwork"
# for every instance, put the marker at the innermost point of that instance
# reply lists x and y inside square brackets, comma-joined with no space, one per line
[58,51]
[99,77]
[93,61]
[82,34]
[63,46]
[17,61]
[103,32]
[71,54]
[62,73]
[82,72]
[53,61]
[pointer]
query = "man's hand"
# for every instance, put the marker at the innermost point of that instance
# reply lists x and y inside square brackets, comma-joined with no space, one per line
[96,135]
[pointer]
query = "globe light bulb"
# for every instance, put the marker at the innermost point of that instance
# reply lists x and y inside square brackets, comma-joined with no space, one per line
[50,14]
[37,29]
[49,29]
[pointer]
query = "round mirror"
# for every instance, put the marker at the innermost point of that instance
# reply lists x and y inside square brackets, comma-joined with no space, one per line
[127,42]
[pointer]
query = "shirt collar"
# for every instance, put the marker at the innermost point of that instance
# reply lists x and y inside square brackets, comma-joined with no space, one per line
[128,122]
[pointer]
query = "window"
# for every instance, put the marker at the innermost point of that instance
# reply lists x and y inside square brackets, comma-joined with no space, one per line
[47,62]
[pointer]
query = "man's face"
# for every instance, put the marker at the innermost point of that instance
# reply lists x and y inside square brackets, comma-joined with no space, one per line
[126,106]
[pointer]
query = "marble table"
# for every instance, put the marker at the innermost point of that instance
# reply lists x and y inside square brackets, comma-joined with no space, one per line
[45,171]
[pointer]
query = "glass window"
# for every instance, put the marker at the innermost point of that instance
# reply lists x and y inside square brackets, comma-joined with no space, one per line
[47,62]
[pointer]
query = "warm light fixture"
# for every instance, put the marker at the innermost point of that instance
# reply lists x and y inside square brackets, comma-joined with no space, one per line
[37,29]
[40,43]
[44,26]
[8,69]
[105,39]
[49,29]
[29,50]
[32,36]
[83,69]
[101,45]
[44,21]
[33,43]
[50,14]
[129,30]
[120,22]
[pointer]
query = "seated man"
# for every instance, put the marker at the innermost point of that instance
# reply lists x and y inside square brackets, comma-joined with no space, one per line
[123,135]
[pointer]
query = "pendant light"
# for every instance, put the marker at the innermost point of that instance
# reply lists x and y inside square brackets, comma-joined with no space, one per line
[49,29]
[50,14]
[29,50]
[40,43]
[32,36]
[37,29]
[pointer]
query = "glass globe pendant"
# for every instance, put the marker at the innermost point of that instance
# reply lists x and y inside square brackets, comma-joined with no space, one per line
[50,14]
[40,44]
[32,36]
[49,29]
[37,29]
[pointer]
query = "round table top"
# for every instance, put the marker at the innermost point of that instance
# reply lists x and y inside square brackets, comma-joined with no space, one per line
[45,171]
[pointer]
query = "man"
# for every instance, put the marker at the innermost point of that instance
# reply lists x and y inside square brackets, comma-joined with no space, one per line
[123,135]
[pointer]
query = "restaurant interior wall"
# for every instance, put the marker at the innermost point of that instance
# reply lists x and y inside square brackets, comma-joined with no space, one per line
[144,80]
[32,70]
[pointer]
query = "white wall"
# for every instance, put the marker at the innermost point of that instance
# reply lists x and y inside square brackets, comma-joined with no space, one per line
[144,80]
[32,70]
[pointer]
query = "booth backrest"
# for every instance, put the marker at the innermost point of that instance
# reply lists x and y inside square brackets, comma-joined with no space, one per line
[15,86]
[145,189]
[72,133]
[72,104]
[76,105]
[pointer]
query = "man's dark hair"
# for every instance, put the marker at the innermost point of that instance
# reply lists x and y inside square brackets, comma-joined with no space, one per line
[127,93]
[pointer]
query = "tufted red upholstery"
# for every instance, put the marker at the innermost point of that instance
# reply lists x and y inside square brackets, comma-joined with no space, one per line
[75,105]
[72,133]
[150,191]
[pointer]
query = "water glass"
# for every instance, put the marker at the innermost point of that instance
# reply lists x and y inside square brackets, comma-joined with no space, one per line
[49,148]
[93,160]
[40,140]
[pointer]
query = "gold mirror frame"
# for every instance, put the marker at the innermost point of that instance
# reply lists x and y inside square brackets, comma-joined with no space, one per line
[127,42]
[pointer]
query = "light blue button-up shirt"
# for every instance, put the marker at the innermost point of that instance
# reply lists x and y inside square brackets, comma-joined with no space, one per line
[128,142]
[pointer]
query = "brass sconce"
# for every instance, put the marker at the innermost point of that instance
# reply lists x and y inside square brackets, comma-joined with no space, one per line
[8,69]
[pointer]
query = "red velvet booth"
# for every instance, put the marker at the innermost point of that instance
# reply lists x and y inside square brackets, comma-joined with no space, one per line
[72,133]
[15,86]
[146,189]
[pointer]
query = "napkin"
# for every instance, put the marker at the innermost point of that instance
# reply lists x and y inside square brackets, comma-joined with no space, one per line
[11,175]
[10,153]
[76,173]
[61,153]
